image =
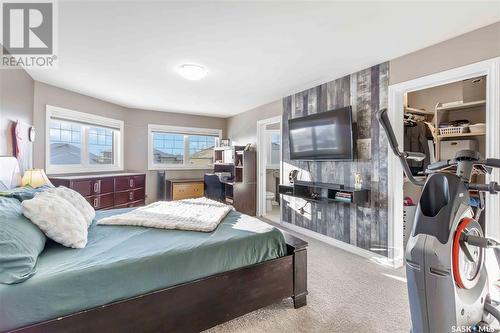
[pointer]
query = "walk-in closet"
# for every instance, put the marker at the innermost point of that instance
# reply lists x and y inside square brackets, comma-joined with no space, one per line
[438,122]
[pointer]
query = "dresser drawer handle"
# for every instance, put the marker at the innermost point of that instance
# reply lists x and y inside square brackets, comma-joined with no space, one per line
[96,187]
[131,183]
[131,196]
[96,202]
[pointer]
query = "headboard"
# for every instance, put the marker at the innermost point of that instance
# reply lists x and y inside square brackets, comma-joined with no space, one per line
[10,176]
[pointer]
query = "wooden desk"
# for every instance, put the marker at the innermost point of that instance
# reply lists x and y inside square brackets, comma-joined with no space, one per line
[177,189]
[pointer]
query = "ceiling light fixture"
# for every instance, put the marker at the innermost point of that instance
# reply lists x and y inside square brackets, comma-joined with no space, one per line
[192,72]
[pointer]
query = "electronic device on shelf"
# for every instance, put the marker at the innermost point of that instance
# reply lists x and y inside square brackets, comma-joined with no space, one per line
[315,195]
[223,176]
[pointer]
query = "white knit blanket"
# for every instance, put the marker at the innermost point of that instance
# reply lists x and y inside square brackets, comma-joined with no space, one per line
[200,214]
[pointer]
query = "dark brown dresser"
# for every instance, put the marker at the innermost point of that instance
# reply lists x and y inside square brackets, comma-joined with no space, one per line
[105,191]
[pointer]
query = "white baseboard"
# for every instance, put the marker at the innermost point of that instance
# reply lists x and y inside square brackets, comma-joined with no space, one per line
[377,258]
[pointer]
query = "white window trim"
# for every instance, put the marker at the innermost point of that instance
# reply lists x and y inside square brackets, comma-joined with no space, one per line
[181,130]
[71,115]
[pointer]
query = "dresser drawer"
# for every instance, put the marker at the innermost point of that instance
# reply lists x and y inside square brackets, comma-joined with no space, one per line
[122,183]
[139,181]
[132,204]
[187,190]
[84,187]
[128,196]
[137,203]
[103,186]
[88,187]
[129,182]
[101,201]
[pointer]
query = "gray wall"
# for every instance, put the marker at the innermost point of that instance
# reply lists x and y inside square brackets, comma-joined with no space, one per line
[242,128]
[471,47]
[366,226]
[16,103]
[477,45]
[136,123]
[480,44]
[428,98]
[362,225]
[136,136]
[46,94]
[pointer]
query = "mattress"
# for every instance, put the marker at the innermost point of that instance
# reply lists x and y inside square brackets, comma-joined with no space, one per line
[120,262]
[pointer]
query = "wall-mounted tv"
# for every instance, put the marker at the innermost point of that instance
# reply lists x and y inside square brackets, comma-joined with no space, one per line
[322,136]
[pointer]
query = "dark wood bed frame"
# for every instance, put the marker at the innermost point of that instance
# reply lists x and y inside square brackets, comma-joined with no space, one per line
[197,305]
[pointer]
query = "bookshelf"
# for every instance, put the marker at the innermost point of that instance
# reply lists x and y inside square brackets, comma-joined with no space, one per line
[241,187]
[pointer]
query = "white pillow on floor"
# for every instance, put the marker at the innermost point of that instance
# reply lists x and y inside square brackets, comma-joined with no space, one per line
[57,218]
[77,200]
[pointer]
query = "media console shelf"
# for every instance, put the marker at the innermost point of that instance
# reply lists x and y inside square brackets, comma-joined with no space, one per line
[325,193]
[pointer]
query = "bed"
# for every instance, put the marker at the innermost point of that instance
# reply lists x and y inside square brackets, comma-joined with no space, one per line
[150,280]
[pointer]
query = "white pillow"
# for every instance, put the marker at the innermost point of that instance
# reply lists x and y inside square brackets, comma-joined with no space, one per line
[57,218]
[77,200]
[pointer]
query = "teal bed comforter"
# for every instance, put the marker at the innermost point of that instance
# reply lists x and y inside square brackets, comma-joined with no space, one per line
[120,262]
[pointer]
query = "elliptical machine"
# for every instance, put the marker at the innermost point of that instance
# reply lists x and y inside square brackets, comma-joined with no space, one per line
[445,254]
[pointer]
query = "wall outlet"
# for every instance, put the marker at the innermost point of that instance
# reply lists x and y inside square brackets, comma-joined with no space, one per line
[318,215]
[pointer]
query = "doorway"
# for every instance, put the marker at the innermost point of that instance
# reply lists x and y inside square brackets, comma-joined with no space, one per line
[488,111]
[269,168]
[438,122]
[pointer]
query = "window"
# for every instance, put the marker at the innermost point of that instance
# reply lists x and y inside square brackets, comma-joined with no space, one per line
[65,143]
[81,142]
[275,158]
[168,148]
[201,149]
[181,147]
[273,149]
[101,145]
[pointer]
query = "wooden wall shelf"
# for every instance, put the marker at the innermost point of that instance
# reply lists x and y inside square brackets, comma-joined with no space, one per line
[326,192]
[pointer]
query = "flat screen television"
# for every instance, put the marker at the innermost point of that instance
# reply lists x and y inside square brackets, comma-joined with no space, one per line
[322,136]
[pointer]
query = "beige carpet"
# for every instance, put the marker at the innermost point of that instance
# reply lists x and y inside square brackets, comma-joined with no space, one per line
[347,293]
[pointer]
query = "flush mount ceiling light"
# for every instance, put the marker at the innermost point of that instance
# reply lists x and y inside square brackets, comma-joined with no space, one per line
[192,72]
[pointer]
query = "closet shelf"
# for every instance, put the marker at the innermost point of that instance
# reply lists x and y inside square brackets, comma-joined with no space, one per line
[418,111]
[461,135]
[461,106]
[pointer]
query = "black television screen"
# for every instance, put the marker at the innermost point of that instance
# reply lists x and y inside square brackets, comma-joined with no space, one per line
[322,136]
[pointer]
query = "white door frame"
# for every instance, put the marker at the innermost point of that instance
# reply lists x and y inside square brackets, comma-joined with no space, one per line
[261,161]
[490,68]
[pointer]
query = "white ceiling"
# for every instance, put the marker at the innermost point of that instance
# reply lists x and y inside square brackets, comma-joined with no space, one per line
[126,52]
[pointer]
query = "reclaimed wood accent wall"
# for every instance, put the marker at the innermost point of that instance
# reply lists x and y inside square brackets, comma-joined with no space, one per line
[365,225]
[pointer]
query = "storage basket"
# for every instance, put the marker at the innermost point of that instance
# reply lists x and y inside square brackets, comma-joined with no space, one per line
[477,128]
[451,130]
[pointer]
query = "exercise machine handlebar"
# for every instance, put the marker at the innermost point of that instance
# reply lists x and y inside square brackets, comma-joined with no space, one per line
[393,143]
